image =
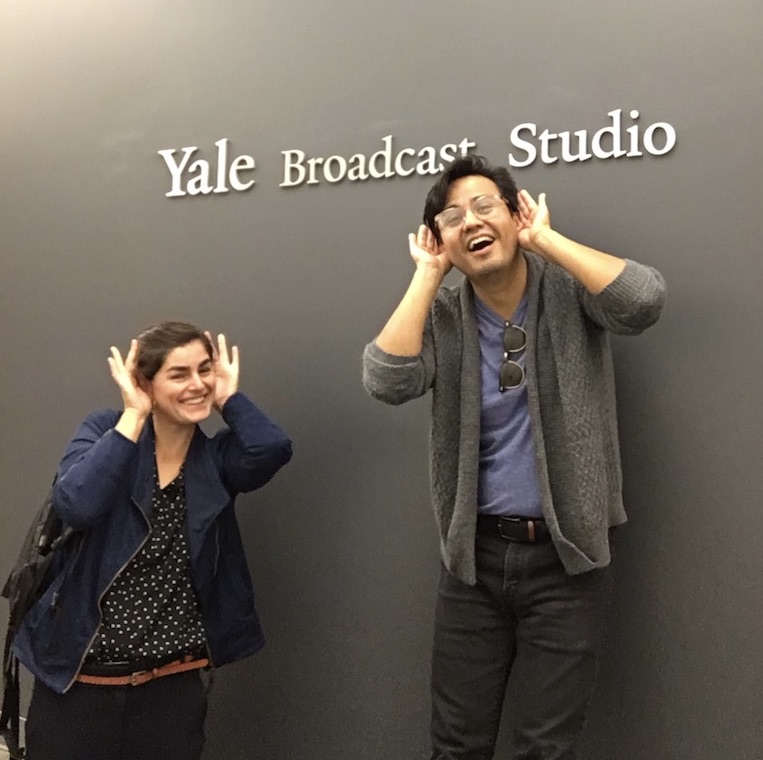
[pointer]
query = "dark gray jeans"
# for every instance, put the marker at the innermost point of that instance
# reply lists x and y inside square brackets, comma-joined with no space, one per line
[528,617]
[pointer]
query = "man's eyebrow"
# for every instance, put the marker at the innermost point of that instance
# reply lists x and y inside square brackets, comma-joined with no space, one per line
[473,198]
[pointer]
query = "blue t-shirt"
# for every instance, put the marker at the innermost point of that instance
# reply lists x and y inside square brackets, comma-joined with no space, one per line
[508,478]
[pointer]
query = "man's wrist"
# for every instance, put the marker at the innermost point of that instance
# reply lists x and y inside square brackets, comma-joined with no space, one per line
[428,276]
[544,242]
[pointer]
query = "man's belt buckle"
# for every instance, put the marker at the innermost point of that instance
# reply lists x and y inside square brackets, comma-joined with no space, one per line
[502,520]
[528,530]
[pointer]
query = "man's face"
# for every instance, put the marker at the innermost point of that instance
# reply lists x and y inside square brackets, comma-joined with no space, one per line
[484,243]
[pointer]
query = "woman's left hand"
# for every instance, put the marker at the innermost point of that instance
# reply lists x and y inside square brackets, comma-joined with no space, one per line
[226,370]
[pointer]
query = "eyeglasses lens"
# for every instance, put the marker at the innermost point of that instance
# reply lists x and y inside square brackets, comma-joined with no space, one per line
[514,338]
[482,206]
[511,374]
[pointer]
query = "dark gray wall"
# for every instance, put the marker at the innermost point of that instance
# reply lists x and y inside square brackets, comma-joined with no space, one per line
[342,544]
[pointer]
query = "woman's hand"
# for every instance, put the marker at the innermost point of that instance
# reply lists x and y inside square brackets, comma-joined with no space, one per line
[125,376]
[137,403]
[226,368]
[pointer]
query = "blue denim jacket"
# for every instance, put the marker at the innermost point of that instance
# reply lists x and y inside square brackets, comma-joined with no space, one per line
[104,490]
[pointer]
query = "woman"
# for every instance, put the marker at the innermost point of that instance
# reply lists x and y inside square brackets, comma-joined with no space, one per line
[157,588]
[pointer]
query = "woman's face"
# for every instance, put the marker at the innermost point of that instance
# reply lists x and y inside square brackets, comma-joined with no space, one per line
[183,390]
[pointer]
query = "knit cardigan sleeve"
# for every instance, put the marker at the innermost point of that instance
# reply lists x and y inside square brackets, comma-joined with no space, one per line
[630,304]
[396,379]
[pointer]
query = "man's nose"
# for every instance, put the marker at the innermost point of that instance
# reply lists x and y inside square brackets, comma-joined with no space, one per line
[470,218]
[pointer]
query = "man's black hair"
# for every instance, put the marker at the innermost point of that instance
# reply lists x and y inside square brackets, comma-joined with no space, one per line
[467,166]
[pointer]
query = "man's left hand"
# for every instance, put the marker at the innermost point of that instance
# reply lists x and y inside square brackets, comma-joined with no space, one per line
[534,219]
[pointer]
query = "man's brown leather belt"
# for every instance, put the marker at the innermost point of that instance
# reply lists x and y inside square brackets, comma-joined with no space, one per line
[144,676]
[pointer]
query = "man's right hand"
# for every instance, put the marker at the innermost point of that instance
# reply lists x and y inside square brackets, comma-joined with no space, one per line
[403,333]
[427,252]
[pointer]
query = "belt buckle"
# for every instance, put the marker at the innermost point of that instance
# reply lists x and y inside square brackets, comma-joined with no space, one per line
[504,519]
[134,677]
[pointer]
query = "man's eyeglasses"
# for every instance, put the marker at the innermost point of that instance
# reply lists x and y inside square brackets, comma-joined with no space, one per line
[511,374]
[481,206]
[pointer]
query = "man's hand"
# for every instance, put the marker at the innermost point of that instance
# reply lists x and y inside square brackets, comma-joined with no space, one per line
[594,269]
[534,220]
[403,333]
[226,369]
[427,252]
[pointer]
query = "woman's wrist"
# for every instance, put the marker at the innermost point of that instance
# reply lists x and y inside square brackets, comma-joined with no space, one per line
[131,423]
[222,401]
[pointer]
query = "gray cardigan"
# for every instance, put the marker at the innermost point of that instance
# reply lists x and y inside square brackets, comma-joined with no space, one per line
[571,396]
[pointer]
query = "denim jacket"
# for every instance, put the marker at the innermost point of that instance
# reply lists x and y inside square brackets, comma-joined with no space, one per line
[104,491]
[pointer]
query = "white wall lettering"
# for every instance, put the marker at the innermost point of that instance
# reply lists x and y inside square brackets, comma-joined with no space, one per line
[198,176]
[611,141]
[176,170]
[621,137]
[384,163]
[670,138]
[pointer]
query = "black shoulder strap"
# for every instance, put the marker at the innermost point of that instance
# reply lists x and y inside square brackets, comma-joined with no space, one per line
[45,534]
[9,718]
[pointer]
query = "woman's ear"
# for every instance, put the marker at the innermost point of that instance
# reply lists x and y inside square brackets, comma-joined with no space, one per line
[145,385]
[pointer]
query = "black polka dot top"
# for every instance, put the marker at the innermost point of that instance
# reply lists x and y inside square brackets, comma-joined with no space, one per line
[150,612]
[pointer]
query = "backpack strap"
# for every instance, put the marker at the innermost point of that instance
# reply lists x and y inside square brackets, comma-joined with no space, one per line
[9,718]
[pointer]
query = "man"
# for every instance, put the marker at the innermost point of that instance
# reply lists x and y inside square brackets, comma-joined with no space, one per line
[524,467]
